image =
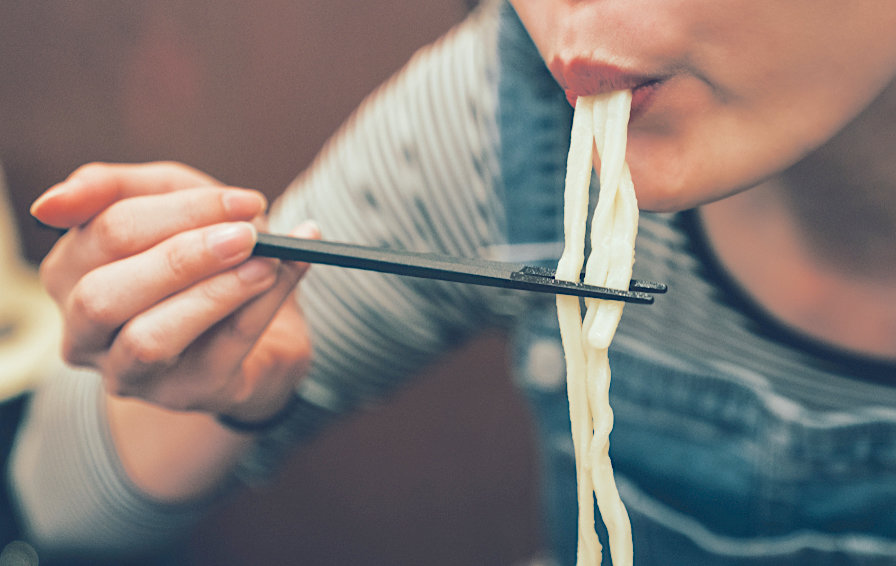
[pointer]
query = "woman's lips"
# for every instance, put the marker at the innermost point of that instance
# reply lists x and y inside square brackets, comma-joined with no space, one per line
[580,77]
[643,95]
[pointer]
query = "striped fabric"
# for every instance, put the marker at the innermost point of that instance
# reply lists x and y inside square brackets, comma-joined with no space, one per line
[69,482]
[811,432]
[717,325]
[385,181]
[414,168]
[379,182]
[421,166]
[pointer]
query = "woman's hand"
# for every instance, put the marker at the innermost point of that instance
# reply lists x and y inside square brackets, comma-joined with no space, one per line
[159,292]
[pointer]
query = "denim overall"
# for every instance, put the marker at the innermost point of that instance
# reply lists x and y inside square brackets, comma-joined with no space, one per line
[714,470]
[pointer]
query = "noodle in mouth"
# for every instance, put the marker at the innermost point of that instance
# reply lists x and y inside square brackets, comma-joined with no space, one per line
[599,122]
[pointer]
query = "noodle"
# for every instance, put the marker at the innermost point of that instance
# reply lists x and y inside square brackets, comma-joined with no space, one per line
[599,121]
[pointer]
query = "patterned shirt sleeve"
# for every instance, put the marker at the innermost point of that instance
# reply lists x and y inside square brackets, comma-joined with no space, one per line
[415,168]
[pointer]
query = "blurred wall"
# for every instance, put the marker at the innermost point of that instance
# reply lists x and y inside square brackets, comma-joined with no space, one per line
[248,91]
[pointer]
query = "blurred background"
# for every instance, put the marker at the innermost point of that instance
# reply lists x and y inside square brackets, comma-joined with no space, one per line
[248,91]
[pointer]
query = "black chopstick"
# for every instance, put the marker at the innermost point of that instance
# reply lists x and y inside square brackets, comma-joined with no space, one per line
[444,267]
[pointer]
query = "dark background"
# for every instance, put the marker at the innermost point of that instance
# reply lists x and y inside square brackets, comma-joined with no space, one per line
[248,91]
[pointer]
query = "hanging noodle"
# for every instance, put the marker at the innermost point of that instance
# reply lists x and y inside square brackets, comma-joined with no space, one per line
[599,121]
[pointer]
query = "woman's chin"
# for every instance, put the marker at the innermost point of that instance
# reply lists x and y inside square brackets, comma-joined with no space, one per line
[658,192]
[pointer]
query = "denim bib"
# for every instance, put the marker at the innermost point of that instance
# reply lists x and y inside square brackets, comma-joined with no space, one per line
[715,468]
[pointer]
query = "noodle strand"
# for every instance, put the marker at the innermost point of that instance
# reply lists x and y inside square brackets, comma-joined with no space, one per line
[601,122]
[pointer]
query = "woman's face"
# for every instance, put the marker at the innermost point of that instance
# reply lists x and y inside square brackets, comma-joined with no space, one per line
[726,92]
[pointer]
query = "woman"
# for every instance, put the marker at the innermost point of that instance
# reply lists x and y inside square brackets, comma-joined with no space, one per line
[754,403]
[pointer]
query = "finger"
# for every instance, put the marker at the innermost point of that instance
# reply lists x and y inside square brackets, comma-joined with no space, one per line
[185,352]
[198,309]
[136,224]
[158,336]
[123,229]
[210,349]
[264,341]
[93,187]
[109,296]
[238,334]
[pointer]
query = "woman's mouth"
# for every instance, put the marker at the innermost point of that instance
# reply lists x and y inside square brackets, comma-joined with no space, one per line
[580,77]
[643,95]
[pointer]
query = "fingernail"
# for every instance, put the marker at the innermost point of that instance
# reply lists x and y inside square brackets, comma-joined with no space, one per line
[244,204]
[54,192]
[36,204]
[256,270]
[231,240]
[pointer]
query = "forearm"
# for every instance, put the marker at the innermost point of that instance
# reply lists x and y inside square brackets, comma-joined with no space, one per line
[73,493]
[171,456]
[209,333]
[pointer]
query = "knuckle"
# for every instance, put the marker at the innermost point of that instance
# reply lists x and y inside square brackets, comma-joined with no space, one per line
[72,353]
[241,329]
[48,270]
[92,307]
[112,235]
[302,348]
[177,170]
[217,291]
[178,263]
[290,345]
[299,357]
[146,347]
[231,288]
[168,165]
[296,345]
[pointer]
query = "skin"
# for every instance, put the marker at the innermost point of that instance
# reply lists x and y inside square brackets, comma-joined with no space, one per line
[750,86]
[754,93]
[179,322]
[793,100]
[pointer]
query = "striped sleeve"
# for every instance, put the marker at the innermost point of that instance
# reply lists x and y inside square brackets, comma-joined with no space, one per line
[74,497]
[414,168]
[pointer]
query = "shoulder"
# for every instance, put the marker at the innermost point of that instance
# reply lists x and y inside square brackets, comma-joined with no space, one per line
[418,159]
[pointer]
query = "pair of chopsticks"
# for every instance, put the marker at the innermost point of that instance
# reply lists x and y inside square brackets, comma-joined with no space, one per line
[446,268]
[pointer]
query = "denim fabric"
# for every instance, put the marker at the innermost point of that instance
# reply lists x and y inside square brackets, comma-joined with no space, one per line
[717,462]
[710,472]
